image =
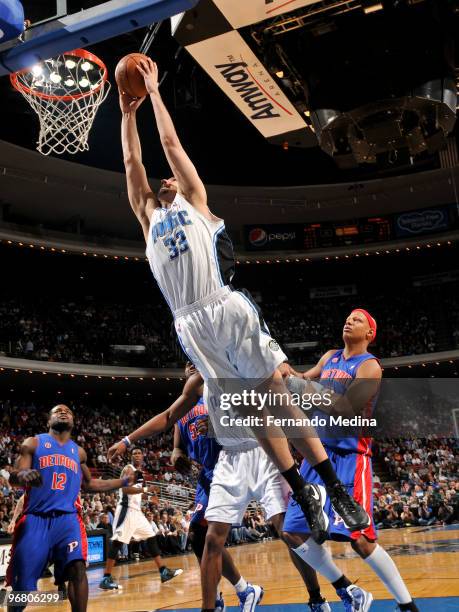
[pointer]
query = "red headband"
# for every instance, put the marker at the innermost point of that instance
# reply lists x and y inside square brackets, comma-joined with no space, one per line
[371,321]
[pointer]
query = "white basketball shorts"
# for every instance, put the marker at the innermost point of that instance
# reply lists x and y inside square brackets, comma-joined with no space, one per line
[130,524]
[223,337]
[240,477]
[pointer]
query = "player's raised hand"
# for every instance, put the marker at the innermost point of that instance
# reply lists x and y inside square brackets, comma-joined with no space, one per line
[31,478]
[180,461]
[116,450]
[149,70]
[128,104]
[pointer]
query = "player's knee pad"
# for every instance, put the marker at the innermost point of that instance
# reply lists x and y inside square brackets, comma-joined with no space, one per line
[197,538]
[76,571]
[114,549]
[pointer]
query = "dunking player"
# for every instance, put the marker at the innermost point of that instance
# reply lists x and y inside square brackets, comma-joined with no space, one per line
[52,468]
[130,523]
[191,258]
[354,375]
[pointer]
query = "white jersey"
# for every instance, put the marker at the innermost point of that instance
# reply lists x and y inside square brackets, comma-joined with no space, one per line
[133,501]
[190,256]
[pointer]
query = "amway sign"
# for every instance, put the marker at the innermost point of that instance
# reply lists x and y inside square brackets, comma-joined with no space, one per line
[239,73]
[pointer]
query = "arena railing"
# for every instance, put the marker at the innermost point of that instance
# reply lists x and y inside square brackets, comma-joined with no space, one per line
[118,372]
[123,250]
[175,495]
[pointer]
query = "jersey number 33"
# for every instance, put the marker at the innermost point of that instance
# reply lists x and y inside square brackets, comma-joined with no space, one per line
[176,244]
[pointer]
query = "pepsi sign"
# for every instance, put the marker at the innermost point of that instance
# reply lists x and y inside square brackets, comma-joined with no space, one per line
[273,237]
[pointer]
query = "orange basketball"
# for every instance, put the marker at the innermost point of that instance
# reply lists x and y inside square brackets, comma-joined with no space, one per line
[129,79]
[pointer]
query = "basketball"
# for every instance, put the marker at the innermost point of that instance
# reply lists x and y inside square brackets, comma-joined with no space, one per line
[129,79]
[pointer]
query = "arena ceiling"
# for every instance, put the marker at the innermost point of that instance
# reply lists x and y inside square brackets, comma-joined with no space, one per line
[226,148]
[50,193]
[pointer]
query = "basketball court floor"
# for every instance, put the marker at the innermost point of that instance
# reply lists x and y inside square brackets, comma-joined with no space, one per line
[427,557]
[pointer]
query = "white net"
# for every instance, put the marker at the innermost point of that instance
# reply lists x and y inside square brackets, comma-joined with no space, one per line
[65,92]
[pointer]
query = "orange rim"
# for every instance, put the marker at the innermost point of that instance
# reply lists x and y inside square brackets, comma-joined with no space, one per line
[76,52]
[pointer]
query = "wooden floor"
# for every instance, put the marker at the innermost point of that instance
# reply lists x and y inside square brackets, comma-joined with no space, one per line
[428,559]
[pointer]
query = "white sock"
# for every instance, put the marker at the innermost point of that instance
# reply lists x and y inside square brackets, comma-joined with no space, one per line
[387,571]
[241,585]
[319,559]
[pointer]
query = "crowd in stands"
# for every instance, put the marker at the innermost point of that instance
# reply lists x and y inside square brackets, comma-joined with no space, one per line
[87,331]
[424,483]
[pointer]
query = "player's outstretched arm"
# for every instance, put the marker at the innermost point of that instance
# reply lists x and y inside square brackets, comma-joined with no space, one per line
[316,370]
[23,475]
[96,485]
[181,165]
[361,392]
[141,196]
[163,421]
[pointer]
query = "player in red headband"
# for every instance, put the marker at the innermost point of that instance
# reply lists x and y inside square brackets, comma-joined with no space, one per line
[353,375]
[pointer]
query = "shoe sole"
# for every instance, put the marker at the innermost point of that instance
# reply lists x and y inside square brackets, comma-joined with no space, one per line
[367,603]
[109,588]
[323,536]
[260,597]
[360,527]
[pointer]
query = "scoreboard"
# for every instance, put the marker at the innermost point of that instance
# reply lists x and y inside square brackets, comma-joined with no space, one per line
[361,231]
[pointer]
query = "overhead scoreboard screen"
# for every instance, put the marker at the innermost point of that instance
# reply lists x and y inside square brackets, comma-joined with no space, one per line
[362,231]
[309,236]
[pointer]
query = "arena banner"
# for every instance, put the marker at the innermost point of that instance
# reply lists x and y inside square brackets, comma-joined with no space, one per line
[5,550]
[96,550]
[96,547]
[241,14]
[230,62]
[425,221]
[320,293]
[273,237]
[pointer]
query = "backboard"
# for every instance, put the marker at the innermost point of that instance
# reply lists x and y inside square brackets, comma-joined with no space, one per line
[57,26]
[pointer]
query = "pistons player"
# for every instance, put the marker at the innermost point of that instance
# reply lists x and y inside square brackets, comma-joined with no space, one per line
[52,469]
[353,376]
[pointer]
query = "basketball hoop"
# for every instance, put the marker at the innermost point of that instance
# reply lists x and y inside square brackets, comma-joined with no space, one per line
[65,92]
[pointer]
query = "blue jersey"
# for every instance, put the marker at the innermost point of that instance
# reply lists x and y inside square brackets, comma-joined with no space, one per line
[60,469]
[337,374]
[201,448]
